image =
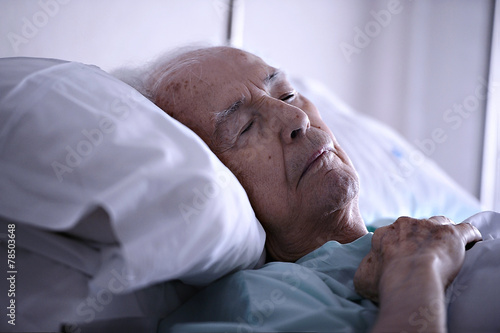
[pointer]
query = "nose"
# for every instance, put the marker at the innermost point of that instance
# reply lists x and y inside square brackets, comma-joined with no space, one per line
[290,121]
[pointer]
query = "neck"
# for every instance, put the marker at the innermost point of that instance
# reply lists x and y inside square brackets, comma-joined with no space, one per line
[344,226]
[348,225]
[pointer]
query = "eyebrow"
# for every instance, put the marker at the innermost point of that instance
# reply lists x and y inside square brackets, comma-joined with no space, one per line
[222,116]
[271,77]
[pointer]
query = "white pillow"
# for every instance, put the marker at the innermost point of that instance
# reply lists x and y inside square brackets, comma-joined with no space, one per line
[83,152]
[396,179]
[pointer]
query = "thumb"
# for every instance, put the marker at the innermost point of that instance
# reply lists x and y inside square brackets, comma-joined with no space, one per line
[469,234]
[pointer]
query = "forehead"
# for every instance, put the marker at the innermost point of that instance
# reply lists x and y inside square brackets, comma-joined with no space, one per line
[231,66]
[212,82]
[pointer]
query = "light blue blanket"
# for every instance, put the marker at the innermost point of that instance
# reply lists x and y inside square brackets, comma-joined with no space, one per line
[317,294]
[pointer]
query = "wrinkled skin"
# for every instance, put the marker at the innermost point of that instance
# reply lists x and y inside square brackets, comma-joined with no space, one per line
[410,264]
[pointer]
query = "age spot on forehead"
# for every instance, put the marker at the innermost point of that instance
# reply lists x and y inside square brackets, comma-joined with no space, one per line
[175,86]
[242,55]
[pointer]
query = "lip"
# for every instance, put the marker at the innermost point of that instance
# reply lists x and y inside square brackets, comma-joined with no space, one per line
[313,159]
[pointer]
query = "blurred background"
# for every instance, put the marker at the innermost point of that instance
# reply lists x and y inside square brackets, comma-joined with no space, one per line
[428,68]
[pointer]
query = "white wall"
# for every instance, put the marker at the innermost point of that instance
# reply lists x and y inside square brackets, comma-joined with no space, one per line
[421,63]
[107,33]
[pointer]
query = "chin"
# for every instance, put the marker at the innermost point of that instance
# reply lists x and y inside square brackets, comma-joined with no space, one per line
[342,187]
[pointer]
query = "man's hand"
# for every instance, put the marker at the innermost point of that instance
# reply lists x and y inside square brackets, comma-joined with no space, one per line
[410,264]
[416,242]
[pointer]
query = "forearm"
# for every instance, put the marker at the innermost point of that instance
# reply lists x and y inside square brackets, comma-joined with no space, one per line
[408,268]
[411,299]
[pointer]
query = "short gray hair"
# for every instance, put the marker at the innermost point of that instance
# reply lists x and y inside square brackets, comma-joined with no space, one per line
[151,77]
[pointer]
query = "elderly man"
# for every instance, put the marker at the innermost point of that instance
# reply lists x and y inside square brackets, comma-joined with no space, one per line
[300,182]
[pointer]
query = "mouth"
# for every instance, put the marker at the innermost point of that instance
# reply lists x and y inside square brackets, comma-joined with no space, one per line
[314,159]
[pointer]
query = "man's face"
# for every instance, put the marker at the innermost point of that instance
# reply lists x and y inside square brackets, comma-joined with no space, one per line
[273,139]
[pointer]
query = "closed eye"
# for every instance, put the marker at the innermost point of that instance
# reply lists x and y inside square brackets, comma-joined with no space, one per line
[289,96]
[247,128]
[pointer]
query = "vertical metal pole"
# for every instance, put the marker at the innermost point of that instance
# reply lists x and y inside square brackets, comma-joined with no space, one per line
[234,28]
[490,176]
[229,27]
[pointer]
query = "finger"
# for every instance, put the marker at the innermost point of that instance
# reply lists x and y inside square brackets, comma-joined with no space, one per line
[469,233]
[379,235]
[441,220]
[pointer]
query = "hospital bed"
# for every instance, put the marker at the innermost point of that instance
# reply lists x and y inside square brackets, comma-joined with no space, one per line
[119,214]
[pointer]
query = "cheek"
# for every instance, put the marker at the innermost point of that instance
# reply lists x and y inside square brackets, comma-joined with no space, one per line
[345,158]
[318,123]
[259,171]
[254,166]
